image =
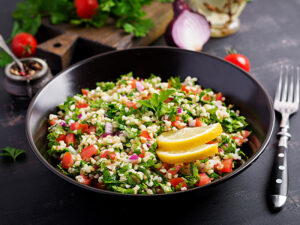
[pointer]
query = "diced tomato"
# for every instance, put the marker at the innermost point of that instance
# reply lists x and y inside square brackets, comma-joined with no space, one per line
[204,179]
[131,104]
[142,155]
[166,166]
[219,97]
[169,84]
[83,127]
[91,129]
[149,96]
[239,141]
[198,123]
[212,142]
[177,181]
[86,179]
[133,84]
[169,99]
[52,122]
[88,152]
[174,170]
[206,98]
[245,133]
[197,91]
[99,185]
[227,165]
[61,137]
[108,155]
[81,105]
[184,88]
[67,161]
[70,139]
[177,124]
[74,126]
[146,135]
[84,91]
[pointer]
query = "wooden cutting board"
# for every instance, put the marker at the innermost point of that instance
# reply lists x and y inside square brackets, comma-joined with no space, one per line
[59,50]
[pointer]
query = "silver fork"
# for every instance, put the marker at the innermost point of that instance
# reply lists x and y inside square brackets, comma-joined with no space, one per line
[286,102]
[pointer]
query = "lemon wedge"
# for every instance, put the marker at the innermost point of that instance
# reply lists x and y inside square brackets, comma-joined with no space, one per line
[187,138]
[190,155]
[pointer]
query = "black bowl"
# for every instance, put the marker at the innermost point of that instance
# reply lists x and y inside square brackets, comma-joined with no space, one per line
[239,87]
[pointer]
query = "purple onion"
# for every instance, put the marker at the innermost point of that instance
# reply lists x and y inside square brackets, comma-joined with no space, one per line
[139,86]
[179,110]
[105,115]
[109,128]
[192,123]
[189,30]
[148,145]
[133,158]
[106,134]
[79,116]
[179,6]
[62,123]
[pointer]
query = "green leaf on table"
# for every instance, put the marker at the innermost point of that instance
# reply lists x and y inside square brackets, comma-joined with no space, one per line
[4,59]
[12,152]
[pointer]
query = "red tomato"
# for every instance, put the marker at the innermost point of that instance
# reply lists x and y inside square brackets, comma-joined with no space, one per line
[91,129]
[166,166]
[177,181]
[142,155]
[219,97]
[239,141]
[131,104]
[61,137]
[70,139]
[88,152]
[169,99]
[86,179]
[83,127]
[67,161]
[86,9]
[174,170]
[149,96]
[206,98]
[239,60]
[107,154]
[185,89]
[74,126]
[81,105]
[227,165]
[146,135]
[24,45]
[99,185]
[198,122]
[204,179]
[245,133]
[133,84]
[84,92]
[52,122]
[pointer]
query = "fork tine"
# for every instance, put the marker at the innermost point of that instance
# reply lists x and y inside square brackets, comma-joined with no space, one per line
[296,97]
[284,92]
[291,91]
[278,90]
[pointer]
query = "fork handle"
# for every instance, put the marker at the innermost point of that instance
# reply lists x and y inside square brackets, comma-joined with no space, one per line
[279,182]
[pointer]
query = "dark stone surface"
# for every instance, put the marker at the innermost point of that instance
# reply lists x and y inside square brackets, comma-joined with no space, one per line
[30,194]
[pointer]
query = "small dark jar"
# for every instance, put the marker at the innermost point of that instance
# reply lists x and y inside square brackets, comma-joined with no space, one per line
[24,87]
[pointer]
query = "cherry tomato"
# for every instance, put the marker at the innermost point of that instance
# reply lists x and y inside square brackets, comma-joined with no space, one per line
[70,139]
[67,161]
[23,45]
[86,9]
[177,181]
[239,60]
[204,179]
[227,165]
[87,152]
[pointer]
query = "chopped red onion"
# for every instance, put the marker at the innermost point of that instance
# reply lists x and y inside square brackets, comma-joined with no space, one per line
[148,145]
[139,86]
[133,158]
[62,123]
[108,128]
[179,6]
[79,116]
[106,134]
[192,123]
[189,30]
[179,110]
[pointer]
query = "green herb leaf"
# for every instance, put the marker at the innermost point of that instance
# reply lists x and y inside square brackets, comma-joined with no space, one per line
[12,152]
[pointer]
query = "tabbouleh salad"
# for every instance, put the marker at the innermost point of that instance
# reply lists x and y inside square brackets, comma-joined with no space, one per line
[106,137]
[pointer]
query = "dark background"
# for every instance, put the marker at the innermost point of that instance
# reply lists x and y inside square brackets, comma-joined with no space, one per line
[31,194]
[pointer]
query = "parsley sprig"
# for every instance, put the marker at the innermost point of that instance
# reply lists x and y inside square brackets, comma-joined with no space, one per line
[11,152]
